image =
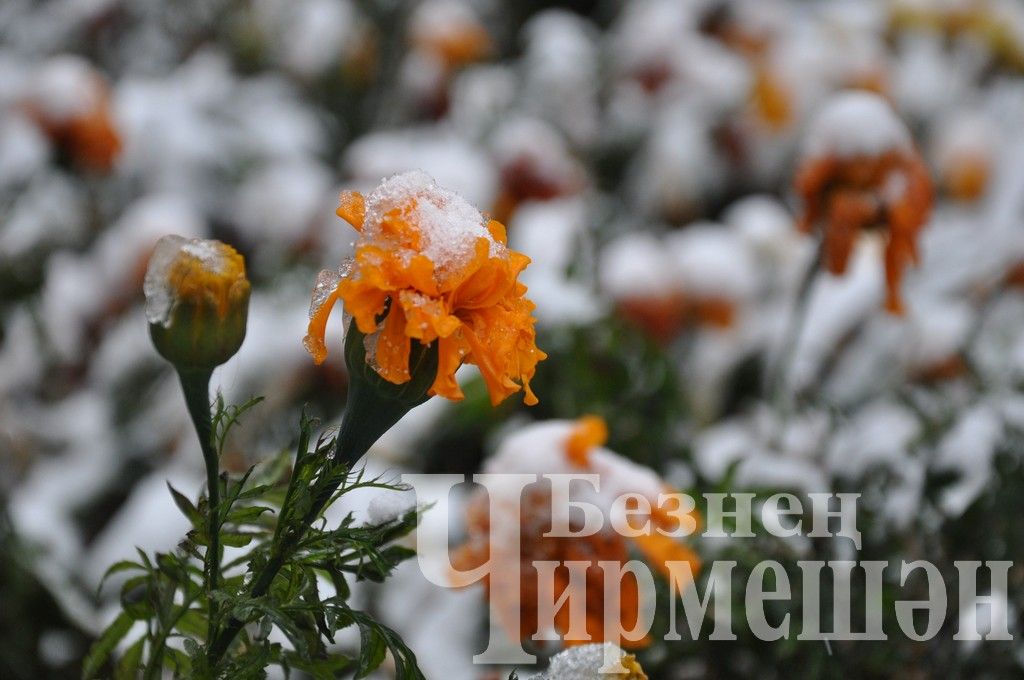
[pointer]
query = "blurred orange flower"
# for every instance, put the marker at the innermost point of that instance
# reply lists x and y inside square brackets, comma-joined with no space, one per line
[437,271]
[71,103]
[451,32]
[567,446]
[863,173]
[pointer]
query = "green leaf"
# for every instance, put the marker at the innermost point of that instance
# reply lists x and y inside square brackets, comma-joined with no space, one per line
[101,649]
[236,539]
[135,600]
[129,665]
[372,649]
[247,515]
[186,507]
[117,567]
[320,668]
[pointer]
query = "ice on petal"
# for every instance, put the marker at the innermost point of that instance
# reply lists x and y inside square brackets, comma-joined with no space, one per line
[209,252]
[389,505]
[160,297]
[586,662]
[449,226]
[326,283]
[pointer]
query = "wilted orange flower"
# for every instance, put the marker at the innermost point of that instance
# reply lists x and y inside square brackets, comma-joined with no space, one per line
[561,447]
[436,271]
[861,171]
[71,103]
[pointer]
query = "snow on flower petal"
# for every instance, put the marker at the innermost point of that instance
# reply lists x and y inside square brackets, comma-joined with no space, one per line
[859,171]
[429,267]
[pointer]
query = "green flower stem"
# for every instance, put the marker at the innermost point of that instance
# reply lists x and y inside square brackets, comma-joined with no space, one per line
[373,406]
[352,442]
[195,383]
[777,386]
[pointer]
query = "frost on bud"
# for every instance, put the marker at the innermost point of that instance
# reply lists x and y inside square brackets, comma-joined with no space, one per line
[197,301]
[594,662]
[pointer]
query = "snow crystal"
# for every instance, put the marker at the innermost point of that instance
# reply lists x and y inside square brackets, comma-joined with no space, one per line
[23,149]
[560,65]
[678,166]
[390,505]
[441,18]
[584,662]
[160,298]
[326,282]
[540,144]
[966,135]
[480,96]
[969,449]
[854,124]
[635,265]
[449,226]
[281,202]
[712,261]
[64,87]
[541,449]
[451,160]
[315,32]
[880,434]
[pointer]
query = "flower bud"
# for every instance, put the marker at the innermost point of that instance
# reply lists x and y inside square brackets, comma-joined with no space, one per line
[587,662]
[197,301]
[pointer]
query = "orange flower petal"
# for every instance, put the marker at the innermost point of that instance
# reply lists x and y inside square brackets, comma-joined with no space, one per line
[352,208]
[449,359]
[393,345]
[426,317]
[316,330]
[589,432]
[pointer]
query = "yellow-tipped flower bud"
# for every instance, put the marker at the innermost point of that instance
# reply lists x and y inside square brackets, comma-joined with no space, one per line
[197,301]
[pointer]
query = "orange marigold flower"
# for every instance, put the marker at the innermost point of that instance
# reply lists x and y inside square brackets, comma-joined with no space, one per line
[449,31]
[859,171]
[567,447]
[437,271]
[70,100]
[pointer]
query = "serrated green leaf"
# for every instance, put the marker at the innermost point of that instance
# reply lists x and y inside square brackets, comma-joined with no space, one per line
[372,649]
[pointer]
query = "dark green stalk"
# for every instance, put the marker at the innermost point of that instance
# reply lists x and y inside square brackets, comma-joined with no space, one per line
[777,381]
[372,407]
[196,386]
[352,443]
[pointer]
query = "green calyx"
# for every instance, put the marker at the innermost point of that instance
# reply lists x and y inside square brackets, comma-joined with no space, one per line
[197,334]
[374,405]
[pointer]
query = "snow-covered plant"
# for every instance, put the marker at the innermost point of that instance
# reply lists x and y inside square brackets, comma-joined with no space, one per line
[433,284]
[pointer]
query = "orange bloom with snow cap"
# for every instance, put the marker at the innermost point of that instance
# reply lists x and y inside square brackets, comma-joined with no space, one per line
[429,267]
[564,447]
[70,100]
[860,170]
